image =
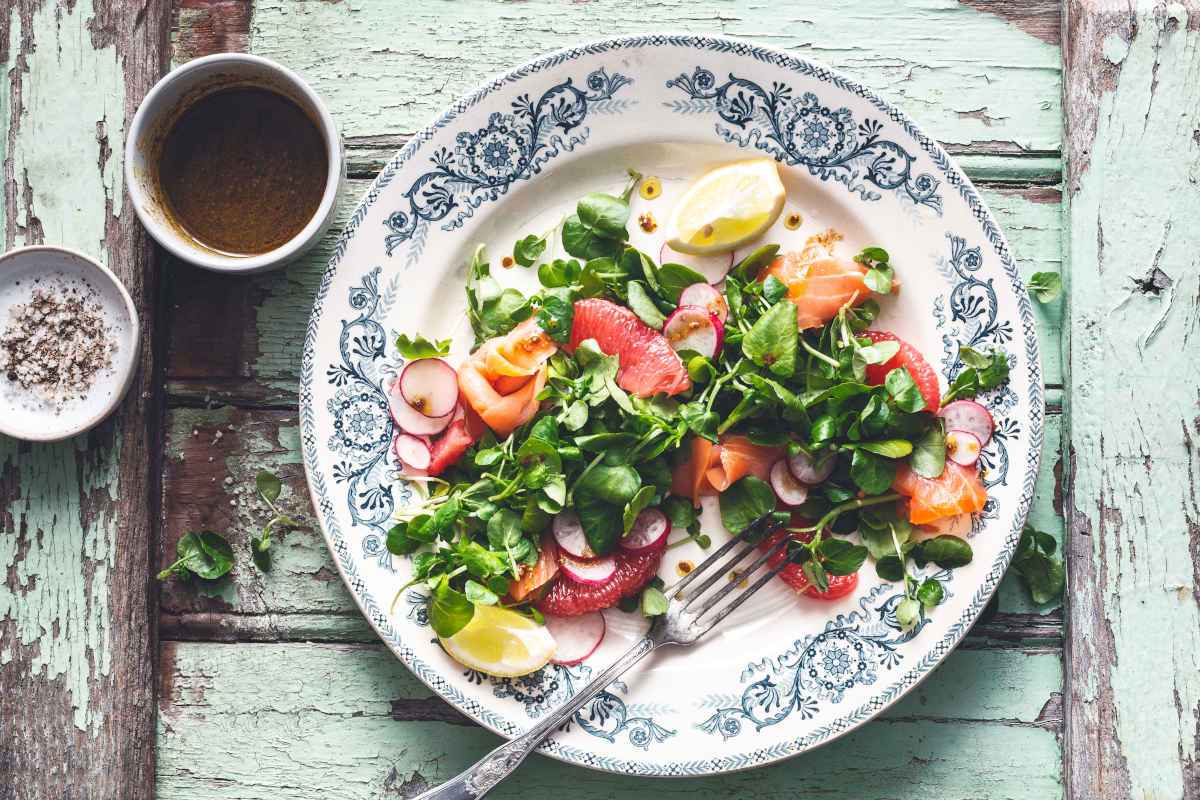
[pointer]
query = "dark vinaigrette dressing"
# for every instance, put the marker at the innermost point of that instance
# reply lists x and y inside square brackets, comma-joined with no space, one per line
[243,170]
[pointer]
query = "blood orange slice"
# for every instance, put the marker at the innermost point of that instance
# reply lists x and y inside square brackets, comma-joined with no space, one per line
[648,364]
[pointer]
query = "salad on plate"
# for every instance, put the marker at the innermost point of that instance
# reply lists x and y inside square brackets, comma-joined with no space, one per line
[575,445]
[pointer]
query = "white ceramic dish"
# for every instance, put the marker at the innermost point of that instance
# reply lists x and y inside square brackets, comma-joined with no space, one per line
[22,414]
[781,675]
[170,97]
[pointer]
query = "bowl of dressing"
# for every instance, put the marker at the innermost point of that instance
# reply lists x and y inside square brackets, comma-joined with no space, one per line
[234,163]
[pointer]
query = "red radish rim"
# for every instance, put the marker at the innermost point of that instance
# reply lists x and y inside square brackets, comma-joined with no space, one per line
[815,476]
[414,371]
[970,410]
[713,295]
[577,569]
[781,472]
[576,623]
[409,420]
[713,320]
[566,524]
[950,455]
[419,445]
[637,541]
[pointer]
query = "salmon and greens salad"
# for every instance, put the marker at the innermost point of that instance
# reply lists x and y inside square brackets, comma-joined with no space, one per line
[559,461]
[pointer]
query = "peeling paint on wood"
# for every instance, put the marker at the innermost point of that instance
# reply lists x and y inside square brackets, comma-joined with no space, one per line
[76,640]
[351,722]
[1132,700]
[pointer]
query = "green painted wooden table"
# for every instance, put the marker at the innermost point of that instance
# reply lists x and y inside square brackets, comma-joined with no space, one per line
[272,686]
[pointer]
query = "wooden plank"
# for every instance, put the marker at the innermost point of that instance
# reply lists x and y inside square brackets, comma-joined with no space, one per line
[1132,700]
[77,643]
[252,357]
[351,722]
[212,456]
[989,80]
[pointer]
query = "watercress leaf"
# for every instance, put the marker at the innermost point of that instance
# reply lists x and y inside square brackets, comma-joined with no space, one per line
[824,429]
[973,358]
[876,254]
[814,571]
[398,540]
[755,261]
[499,585]
[573,416]
[1044,576]
[1045,542]
[419,529]
[930,593]
[479,594]
[674,278]
[481,562]
[654,602]
[903,390]
[420,347]
[680,511]
[261,558]
[449,610]
[555,317]
[873,474]
[604,214]
[908,613]
[995,373]
[840,557]
[888,448]
[774,290]
[559,273]
[612,484]
[527,251]
[601,522]
[700,369]
[878,353]
[208,555]
[929,452]
[699,420]
[441,524]
[745,502]
[1046,286]
[773,340]
[268,485]
[946,551]
[879,278]
[503,529]
[635,506]
[889,567]
[581,241]
[641,305]
[878,541]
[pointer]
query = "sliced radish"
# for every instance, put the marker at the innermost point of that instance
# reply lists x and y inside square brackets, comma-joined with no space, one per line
[705,295]
[430,386]
[787,488]
[694,328]
[569,535]
[576,637]
[810,471]
[413,451]
[409,419]
[963,447]
[969,416]
[596,572]
[713,268]
[649,529]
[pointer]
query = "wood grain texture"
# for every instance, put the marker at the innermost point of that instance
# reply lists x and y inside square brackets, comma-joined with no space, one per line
[1132,701]
[77,643]
[350,722]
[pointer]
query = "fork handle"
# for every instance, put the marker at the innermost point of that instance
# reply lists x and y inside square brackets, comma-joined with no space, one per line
[478,779]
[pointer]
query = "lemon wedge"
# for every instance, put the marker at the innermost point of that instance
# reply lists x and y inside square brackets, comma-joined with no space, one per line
[727,207]
[501,642]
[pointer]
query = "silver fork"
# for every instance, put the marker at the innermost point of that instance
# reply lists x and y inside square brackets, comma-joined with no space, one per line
[690,615]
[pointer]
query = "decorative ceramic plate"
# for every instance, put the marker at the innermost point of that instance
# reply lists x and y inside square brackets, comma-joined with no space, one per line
[782,675]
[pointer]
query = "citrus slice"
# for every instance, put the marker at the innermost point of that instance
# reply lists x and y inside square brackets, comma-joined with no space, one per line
[501,642]
[727,207]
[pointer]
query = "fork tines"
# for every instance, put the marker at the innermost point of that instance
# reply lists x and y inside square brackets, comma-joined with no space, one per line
[696,604]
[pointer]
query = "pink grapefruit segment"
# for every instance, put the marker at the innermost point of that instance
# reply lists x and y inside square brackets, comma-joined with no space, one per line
[648,364]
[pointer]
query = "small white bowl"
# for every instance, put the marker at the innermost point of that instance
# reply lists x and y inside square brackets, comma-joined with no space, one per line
[169,98]
[22,414]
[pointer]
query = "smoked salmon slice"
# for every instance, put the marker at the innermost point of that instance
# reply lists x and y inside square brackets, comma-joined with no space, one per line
[541,573]
[501,380]
[958,490]
[715,467]
[818,285]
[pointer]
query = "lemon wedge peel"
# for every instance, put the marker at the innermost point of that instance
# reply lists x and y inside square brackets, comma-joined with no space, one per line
[728,207]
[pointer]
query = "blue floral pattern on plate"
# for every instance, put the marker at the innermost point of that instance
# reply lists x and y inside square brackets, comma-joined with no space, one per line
[799,130]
